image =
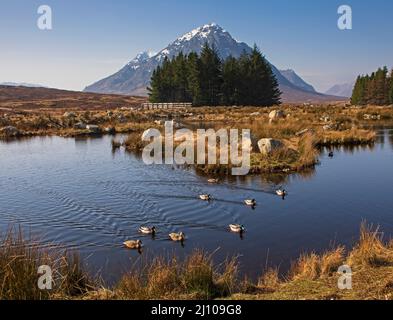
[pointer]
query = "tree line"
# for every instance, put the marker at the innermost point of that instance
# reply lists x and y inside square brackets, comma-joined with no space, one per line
[207,80]
[376,89]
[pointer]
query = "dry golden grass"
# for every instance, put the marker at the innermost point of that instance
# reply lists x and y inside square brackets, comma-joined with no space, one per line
[270,280]
[19,262]
[195,278]
[371,251]
[351,136]
[313,266]
[331,261]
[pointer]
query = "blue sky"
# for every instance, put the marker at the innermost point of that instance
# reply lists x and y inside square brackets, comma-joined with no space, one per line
[92,39]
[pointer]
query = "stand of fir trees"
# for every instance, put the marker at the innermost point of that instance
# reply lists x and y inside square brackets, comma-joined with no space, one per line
[206,80]
[375,89]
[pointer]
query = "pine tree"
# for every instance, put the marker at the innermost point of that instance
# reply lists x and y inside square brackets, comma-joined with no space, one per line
[379,91]
[210,76]
[244,79]
[376,88]
[230,82]
[167,81]
[359,91]
[356,94]
[155,89]
[180,81]
[193,78]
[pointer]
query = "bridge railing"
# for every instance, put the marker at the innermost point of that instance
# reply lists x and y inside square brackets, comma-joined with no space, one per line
[174,105]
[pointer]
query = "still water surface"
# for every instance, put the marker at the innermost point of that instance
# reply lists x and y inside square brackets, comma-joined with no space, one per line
[77,194]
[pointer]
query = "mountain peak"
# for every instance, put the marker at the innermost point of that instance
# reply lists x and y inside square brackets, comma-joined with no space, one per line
[201,32]
[143,56]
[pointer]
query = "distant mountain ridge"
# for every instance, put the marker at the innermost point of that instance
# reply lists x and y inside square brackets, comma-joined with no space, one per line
[21,84]
[134,78]
[292,77]
[341,90]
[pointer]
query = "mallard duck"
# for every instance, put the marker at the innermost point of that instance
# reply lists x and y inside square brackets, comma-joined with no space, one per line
[177,236]
[238,228]
[147,230]
[281,192]
[250,202]
[133,244]
[213,180]
[205,197]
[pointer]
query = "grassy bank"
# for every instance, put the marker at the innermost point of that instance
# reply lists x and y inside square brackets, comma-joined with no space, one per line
[312,276]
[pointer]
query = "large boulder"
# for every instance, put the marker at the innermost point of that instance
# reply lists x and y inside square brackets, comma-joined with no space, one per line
[9,131]
[267,146]
[276,114]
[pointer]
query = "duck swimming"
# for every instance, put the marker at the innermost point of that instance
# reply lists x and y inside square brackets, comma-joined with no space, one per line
[213,180]
[205,197]
[281,192]
[238,228]
[147,230]
[177,236]
[133,244]
[250,202]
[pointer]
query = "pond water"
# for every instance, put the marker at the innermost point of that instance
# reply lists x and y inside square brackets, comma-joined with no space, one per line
[78,194]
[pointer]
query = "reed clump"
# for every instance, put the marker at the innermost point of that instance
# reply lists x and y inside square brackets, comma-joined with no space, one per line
[353,136]
[371,251]
[19,263]
[194,278]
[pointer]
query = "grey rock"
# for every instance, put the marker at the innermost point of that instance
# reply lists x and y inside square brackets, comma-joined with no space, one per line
[268,145]
[9,131]
[276,114]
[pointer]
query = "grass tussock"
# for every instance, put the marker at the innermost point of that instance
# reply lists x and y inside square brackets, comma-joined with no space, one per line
[313,266]
[19,263]
[194,278]
[270,280]
[371,251]
[353,136]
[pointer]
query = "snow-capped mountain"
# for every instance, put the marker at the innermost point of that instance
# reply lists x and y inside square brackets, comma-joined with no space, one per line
[294,78]
[134,78]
